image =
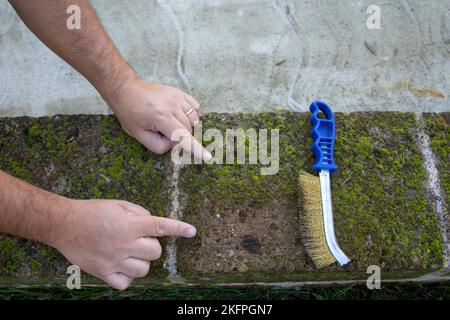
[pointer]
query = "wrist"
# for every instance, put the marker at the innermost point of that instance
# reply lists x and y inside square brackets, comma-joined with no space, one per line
[109,90]
[64,213]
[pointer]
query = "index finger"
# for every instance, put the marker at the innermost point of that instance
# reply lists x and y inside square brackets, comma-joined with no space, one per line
[176,132]
[159,227]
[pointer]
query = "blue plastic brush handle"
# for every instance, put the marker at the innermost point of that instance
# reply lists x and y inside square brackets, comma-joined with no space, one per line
[323,136]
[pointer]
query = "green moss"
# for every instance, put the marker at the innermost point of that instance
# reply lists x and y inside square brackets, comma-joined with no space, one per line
[239,183]
[82,157]
[384,198]
[18,170]
[35,265]
[382,216]
[9,254]
[34,131]
[438,128]
[115,170]
[7,245]
[363,148]
[10,265]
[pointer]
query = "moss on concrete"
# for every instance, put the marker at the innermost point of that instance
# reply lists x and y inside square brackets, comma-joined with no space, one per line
[247,223]
[437,125]
[80,157]
[381,213]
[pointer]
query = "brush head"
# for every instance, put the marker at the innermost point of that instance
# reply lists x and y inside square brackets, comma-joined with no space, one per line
[311,218]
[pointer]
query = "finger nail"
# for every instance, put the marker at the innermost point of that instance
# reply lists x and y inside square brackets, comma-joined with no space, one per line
[190,232]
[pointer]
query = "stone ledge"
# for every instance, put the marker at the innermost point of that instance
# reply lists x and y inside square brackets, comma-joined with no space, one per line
[246,222]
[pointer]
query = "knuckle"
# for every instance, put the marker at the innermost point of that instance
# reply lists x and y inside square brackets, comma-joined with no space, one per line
[156,123]
[161,227]
[159,110]
[179,229]
[193,101]
[158,113]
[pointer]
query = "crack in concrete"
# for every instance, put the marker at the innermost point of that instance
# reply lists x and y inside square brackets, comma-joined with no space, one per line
[290,101]
[175,213]
[335,66]
[165,7]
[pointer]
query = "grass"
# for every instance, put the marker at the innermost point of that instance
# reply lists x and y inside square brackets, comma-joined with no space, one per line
[440,291]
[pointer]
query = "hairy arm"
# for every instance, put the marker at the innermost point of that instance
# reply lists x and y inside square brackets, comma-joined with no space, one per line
[29,212]
[156,115]
[110,239]
[89,50]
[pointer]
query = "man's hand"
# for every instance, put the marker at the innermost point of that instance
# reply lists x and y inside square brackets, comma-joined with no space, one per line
[151,113]
[156,115]
[110,239]
[114,240]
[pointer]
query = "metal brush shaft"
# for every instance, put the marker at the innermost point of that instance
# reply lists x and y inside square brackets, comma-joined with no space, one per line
[327,209]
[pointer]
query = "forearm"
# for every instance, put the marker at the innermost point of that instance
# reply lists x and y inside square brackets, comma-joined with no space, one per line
[29,212]
[89,50]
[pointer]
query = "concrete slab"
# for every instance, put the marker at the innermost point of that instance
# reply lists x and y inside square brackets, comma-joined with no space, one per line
[248,224]
[252,55]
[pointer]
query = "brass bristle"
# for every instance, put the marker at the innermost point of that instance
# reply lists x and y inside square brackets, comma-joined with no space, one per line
[311,218]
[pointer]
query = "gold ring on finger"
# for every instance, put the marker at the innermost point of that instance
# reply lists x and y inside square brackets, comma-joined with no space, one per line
[190,111]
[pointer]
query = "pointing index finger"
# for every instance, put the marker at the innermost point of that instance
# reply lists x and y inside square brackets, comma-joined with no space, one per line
[160,227]
[176,132]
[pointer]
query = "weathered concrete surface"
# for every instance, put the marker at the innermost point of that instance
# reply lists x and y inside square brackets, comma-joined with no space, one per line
[438,129]
[248,55]
[84,157]
[247,223]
